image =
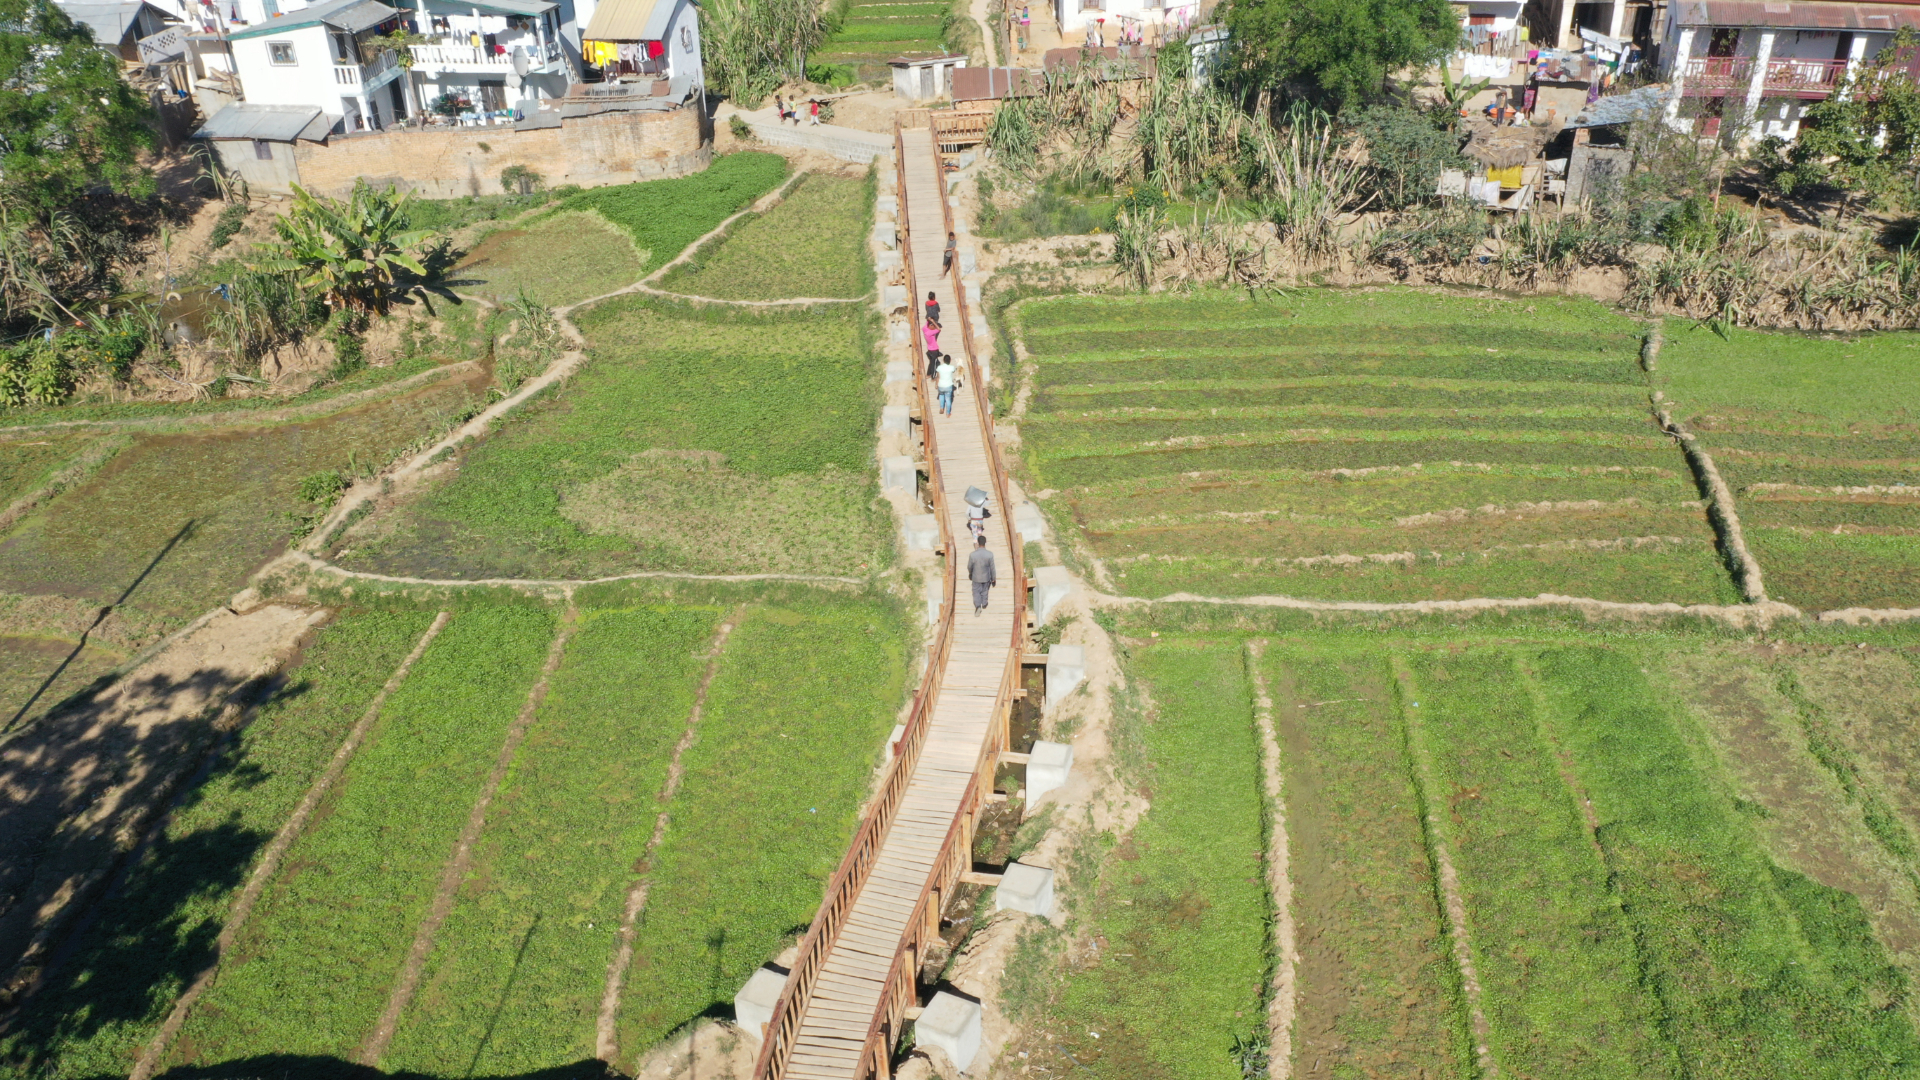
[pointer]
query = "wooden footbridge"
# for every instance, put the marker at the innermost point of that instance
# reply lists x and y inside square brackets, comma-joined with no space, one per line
[856,977]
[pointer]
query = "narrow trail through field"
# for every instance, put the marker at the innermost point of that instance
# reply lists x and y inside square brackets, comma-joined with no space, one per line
[462,859]
[606,1036]
[1453,906]
[802,301]
[269,863]
[1286,952]
[565,585]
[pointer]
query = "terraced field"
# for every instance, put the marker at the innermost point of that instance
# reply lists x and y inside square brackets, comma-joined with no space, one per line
[873,32]
[1819,438]
[1659,873]
[1366,445]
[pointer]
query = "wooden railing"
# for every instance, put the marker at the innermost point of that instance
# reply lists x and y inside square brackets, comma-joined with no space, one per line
[900,992]
[844,887]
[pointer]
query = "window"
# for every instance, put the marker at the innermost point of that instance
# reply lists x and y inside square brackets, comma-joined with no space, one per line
[281,53]
[346,50]
[262,150]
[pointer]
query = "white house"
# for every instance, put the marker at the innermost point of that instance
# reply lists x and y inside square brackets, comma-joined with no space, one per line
[660,38]
[483,57]
[1110,20]
[1767,63]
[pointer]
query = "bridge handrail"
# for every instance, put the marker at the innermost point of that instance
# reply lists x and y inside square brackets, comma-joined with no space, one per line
[844,887]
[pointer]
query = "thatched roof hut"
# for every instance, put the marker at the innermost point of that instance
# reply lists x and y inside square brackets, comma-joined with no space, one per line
[1505,148]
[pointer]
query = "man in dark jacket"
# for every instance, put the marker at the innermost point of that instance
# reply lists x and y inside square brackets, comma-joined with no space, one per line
[980,572]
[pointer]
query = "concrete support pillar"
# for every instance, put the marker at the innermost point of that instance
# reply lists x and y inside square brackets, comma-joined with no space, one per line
[936,596]
[1855,57]
[897,419]
[753,1005]
[952,1023]
[1565,38]
[1619,19]
[1025,888]
[897,473]
[921,532]
[1048,764]
[1051,585]
[1682,51]
[1757,83]
[1028,522]
[899,371]
[1066,669]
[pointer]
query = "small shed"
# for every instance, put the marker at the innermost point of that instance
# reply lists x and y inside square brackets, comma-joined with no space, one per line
[924,78]
[118,27]
[256,142]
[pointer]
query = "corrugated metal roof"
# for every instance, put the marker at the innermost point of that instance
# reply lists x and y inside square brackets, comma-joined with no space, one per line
[512,7]
[628,20]
[328,12]
[110,22]
[281,123]
[361,16]
[1641,104]
[1801,15]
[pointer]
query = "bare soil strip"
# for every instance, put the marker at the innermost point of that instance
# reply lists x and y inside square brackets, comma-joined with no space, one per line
[606,1037]
[269,862]
[457,866]
[1451,903]
[1280,1005]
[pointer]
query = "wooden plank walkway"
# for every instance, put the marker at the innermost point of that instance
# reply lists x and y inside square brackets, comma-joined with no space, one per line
[833,1030]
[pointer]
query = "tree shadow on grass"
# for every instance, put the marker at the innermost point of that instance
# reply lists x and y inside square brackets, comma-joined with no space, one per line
[299,1067]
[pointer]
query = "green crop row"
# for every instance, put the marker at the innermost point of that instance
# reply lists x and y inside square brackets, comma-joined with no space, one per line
[1377,991]
[155,934]
[563,258]
[660,455]
[1759,972]
[794,725]
[314,966]
[1183,912]
[1552,948]
[864,32]
[1837,380]
[1818,571]
[1464,341]
[1082,433]
[1270,363]
[1322,454]
[1376,499]
[517,972]
[1653,572]
[1351,390]
[813,244]
[1364,308]
[665,216]
[1830,514]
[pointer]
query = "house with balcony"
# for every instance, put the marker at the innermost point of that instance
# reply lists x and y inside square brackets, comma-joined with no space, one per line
[1765,62]
[1117,22]
[646,39]
[483,60]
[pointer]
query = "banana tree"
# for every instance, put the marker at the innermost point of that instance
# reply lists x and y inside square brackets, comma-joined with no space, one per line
[355,252]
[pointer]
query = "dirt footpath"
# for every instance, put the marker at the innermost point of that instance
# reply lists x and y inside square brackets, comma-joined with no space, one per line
[79,789]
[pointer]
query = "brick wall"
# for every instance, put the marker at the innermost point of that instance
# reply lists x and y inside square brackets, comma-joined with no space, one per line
[592,151]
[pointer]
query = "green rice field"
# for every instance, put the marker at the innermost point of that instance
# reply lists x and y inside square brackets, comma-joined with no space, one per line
[1360,445]
[656,456]
[871,32]
[512,981]
[1662,871]
[810,244]
[1819,438]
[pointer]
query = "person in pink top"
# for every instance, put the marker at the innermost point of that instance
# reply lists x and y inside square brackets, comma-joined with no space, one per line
[931,332]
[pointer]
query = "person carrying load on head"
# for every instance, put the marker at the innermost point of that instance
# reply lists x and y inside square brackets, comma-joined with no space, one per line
[977,513]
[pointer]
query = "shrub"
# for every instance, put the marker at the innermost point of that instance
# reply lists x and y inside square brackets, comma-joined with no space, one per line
[1405,153]
[520,179]
[322,487]
[229,222]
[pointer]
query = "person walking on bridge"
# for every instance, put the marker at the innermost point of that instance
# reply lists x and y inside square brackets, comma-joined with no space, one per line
[980,572]
[933,309]
[943,383]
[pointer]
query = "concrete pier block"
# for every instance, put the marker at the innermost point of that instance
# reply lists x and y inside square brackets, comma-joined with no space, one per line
[896,418]
[1029,522]
[952,1023]
[936,593]
[982,333]
[893,297]
[921,532]
[897,473]
[1066,668]
[893,740]
[883,234]
[887,263]
[1049,762]
[753,1005]
[897,331]
[899,371]
[1051,584]
[967,261]
[1025,888]
[973,291]
[886,205]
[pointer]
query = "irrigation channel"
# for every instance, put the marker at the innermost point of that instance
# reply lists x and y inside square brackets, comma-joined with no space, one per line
[854,982]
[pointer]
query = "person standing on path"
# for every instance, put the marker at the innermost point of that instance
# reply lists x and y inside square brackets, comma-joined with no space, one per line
[980,572]
[813,109]
[946,263]
[1026,25]
[943,381]
[933,309]
[930,332]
